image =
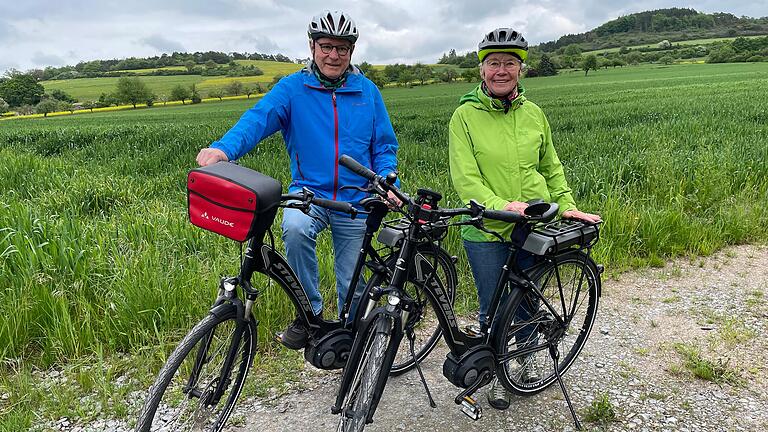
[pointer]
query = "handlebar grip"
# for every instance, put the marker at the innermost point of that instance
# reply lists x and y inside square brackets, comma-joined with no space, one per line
[503,215]
[339,206]
[356,167]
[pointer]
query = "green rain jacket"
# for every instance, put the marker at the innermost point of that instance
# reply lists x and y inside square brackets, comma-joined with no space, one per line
[497,157]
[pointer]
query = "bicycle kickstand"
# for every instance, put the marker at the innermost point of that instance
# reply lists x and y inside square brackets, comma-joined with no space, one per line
[469,405]
[412,339]
[555,354]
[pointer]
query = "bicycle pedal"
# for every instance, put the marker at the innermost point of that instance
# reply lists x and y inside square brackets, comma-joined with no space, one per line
[471,408]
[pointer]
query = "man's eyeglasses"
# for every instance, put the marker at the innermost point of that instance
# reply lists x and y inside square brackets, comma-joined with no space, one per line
[341,50]
[495,65]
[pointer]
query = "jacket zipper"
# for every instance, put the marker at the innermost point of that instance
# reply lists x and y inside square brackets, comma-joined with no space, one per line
[336,144]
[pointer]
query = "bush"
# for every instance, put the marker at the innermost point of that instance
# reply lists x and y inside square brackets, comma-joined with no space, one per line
[756,58]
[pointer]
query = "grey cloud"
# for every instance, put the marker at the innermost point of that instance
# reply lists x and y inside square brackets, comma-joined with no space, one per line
[162,44]
[45,59]
[260,44]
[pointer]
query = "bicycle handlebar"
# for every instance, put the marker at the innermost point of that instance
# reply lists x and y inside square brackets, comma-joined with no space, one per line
[356,167]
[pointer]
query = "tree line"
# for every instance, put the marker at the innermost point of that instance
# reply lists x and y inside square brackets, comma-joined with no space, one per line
[197,63]
[674,24]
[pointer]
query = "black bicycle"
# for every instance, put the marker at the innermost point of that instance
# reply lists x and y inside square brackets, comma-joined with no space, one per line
[546,310]
[200,383]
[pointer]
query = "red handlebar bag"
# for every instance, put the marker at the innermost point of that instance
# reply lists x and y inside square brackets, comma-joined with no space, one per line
[232,200]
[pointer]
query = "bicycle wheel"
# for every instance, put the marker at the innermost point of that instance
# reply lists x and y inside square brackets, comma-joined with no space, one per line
[371,369]
[183,396]
[571,285]
[427,331]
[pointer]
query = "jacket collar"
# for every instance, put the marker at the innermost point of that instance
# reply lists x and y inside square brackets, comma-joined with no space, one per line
[353,82]
[479,99]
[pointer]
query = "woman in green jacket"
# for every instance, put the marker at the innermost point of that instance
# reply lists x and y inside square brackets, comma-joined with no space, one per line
[501,154]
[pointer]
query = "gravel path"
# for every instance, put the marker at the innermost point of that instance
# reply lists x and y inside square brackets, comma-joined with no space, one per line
[715,307]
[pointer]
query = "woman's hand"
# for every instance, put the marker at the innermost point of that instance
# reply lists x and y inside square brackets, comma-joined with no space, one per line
[209,156]
[516,206]
[580,215]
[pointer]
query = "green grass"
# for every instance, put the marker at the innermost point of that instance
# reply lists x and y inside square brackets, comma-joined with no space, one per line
[716,371]
[97,257]
[601,410]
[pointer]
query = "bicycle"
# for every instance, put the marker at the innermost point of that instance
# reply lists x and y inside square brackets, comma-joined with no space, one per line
[547,308]
[198,386]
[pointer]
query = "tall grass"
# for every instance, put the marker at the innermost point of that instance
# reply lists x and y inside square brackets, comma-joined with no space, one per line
[97,257]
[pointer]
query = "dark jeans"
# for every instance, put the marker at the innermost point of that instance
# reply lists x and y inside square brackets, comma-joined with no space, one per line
[486,260]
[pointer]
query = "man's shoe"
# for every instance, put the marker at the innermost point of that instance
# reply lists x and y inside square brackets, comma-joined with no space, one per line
[498,396]
[294,336]
[529,369]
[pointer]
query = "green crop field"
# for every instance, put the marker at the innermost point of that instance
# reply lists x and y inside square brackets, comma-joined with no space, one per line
[102,272]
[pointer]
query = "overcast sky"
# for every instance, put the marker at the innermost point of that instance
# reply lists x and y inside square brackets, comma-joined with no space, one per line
[37,33]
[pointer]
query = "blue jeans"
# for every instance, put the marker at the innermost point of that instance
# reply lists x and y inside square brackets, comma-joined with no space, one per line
[486,260]
[300,233]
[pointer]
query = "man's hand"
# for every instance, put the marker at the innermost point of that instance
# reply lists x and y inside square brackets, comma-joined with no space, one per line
[209,156]
[586,217]
[516,206]
[392,200]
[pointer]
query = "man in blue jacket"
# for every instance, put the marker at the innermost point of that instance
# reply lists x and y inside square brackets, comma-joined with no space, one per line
[323,111]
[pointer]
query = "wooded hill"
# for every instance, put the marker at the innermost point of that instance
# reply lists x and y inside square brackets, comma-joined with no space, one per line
[674,24]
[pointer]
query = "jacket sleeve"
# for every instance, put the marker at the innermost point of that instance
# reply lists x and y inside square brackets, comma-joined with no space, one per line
[465,174]
[552,171]
[268,116]
[384,143]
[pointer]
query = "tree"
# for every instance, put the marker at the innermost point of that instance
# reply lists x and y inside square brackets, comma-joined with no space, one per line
[180,93]
[405,77]
[46,106]
[589,62]
[132,91]
[63,96]
[667,60]
[163,98]
[365,68]
[276,79]
[190,65]
[634,58]
[90,105]
[422,72]
[471,74]
[3,106]
[195,98]
[21,89]
[546,67]
[251,89]
[235,88]
[216,93]
[665,44]
[572,50]
[106,100]
[448,75]
[378,78]
[66,106]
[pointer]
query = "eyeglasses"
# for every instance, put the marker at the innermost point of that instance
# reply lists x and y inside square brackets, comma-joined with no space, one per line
[341,50]
[496,65]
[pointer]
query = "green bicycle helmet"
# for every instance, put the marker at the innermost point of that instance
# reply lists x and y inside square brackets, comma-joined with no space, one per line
[503,40]
[334,24]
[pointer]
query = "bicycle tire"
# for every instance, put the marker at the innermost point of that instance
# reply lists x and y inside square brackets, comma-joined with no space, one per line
[167,401]
[529,374]
[427,330]
[369,373]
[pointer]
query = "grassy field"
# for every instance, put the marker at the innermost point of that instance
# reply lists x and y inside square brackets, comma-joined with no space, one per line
[101,270]
[683,43]
[90,88]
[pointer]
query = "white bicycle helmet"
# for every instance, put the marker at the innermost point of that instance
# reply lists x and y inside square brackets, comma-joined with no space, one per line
[503,40]
[334,24]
